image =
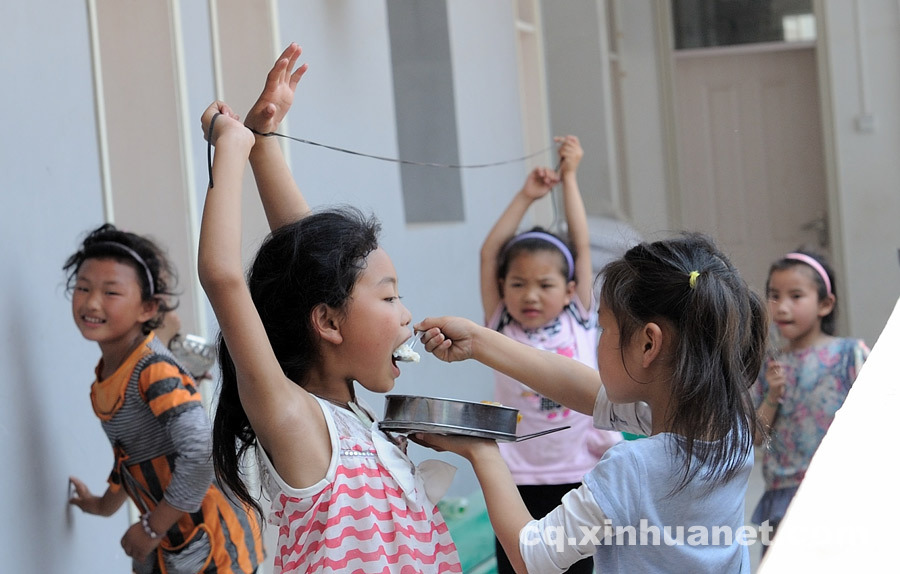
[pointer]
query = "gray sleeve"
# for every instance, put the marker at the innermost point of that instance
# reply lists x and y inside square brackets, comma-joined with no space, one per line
[632,417]
[190,432]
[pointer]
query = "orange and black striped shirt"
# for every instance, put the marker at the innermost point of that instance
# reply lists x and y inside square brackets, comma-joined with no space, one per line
[152,414]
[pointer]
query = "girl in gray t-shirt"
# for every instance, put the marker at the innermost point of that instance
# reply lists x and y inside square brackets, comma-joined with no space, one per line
[683,338]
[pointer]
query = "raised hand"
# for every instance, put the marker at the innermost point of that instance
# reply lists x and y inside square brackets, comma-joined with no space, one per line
[227,121]
[278,94]
[539,183]
[570,154]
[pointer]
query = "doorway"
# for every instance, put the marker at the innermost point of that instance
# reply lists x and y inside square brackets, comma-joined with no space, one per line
[748,140]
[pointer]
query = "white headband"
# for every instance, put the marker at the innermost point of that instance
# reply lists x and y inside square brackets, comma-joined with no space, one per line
[134,255]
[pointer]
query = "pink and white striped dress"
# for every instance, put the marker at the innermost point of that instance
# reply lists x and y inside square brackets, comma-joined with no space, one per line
[369,514]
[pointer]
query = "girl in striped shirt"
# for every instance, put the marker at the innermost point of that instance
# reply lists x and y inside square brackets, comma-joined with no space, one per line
[318,313]
[150,409]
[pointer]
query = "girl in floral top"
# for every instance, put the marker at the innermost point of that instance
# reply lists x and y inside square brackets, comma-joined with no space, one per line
[807,379]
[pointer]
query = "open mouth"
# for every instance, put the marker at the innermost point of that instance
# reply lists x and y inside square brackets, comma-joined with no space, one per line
[405,354]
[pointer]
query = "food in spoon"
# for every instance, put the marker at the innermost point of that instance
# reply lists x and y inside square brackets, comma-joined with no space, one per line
[405,353]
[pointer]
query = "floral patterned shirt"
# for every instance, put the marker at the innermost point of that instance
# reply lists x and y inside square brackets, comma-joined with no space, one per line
[818,380]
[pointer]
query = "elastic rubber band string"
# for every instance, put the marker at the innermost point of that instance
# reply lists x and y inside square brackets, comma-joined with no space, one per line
[403,161]
[555,223]
[209,146]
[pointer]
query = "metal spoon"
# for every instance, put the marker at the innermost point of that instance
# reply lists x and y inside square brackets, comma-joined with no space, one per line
[543,432]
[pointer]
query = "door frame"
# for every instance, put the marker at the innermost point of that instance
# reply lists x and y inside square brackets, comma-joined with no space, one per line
[665,56]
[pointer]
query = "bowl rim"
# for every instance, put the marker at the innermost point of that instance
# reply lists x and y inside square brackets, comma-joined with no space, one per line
[479,403]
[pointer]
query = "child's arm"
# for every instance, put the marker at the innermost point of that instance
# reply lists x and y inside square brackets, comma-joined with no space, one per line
[538,184]
[287,420]
[105,505]
[179,411]
[551,543]
[505,507]
[570,154]
[281,198]
[557,377]
[562,379]
[767,411]
[138,543]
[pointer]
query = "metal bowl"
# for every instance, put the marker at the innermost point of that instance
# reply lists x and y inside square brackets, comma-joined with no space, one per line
[406,413]
[194,353]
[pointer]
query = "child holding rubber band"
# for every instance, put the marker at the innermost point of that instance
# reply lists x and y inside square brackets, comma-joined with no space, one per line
[318,314]
[536,288]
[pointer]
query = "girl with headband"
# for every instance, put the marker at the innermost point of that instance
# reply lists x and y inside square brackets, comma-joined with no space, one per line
[537,290]
[805,381]
[121,286]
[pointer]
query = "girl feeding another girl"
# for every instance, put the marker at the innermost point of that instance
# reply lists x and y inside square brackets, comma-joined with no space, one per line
[682,340]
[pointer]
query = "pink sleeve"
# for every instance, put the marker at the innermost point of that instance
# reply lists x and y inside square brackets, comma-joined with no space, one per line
[495,316]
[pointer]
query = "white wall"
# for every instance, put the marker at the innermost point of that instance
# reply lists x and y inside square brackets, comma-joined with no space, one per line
[866,170]
[49,189]
[50,194]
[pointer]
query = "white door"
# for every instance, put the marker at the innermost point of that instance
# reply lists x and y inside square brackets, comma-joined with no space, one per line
[750,152]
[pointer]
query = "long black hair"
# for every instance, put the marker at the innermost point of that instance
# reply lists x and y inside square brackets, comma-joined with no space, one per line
[720,333]
[155,274]
[299,266]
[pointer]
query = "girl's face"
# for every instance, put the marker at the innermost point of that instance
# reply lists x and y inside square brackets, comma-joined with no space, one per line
[535,290]
[375,324]
[620,386]
[794,305]
[107,304]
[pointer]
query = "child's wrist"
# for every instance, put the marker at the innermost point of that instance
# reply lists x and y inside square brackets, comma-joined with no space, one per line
[481,450]
[525,196]
[260,136]
[260,143]
[768,400]
[148,529]
[236,138]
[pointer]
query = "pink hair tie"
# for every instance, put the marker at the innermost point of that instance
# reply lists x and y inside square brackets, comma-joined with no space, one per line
[815,265]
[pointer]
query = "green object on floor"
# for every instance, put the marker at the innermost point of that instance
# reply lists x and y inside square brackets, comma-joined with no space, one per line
[629,436]
[470,527]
